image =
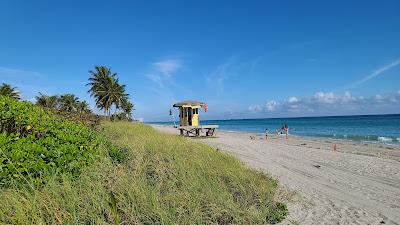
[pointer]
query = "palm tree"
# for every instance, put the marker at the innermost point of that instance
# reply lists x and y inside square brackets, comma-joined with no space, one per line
[105,88]
[47,101]
[68,102]
[9,91]
[127,108]
[83,107]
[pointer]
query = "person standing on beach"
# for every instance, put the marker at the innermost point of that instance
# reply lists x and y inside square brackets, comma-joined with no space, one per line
[286,129]
[266,134]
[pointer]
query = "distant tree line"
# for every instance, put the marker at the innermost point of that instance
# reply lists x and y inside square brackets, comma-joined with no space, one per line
[67,103]
[103,85]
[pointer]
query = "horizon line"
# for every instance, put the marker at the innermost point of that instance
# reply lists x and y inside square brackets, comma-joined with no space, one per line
[299,117]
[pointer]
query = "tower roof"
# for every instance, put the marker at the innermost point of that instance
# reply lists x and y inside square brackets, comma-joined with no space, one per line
[188,102]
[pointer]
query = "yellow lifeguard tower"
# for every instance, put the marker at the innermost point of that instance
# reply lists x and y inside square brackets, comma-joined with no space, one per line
[189,118]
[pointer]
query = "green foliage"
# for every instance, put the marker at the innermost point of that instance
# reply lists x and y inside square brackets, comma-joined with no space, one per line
[36,145]
[127,108]
[120,116]
[68,102]
[69,107]
[108,92]
[47,101]
[65,103]
[167,180]
[9,91]
[88,119]
[83,107]
[114,208]
[278,213]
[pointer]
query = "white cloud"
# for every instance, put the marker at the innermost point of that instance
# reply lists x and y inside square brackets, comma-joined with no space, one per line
[293,99]
[271,106]
[325,97]
[255,108]
[347,96]
[329,102]
[377,72]
[168,66]
[163,70]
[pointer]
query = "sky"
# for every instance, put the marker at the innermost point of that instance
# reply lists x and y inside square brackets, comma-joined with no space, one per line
[245,59]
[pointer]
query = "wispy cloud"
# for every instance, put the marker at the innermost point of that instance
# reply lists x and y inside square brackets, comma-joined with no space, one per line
[327,103]
[156,79]
[12,72]
[221,73]
[232,67]
[163,74]
[163,70]
[168,66]
[377,72]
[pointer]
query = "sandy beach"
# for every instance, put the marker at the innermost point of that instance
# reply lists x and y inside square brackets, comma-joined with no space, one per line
[356,184]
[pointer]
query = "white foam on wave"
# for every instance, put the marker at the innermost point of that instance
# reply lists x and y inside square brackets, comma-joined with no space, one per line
[385,139]
[398,139]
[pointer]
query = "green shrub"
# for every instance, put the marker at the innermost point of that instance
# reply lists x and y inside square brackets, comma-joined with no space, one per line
[88,119]
[36,145]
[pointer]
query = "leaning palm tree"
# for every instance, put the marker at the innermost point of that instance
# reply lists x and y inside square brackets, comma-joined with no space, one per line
[9,91]
[106,90]
[47,101]
[83,107]
[68,102]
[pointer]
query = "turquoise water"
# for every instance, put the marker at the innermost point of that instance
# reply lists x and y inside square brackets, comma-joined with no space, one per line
[371,128]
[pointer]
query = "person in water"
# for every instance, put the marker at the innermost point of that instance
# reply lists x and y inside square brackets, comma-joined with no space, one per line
[286,129]
[279,131]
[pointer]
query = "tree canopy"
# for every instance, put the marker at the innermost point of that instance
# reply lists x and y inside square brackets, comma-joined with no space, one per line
[9,91]
[108,92]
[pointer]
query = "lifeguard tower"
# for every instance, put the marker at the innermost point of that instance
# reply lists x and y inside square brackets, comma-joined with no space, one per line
[189,118]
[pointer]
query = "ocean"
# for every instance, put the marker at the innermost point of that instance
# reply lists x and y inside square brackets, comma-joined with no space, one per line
[370,128]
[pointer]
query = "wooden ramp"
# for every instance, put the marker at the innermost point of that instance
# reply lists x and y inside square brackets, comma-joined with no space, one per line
[195,130]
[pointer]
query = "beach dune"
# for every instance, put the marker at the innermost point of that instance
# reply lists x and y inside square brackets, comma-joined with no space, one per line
[356,184]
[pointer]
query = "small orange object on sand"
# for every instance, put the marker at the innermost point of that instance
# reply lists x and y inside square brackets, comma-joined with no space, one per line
[334,147]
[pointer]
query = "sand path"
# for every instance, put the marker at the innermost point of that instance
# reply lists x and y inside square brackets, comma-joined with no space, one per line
[357,184]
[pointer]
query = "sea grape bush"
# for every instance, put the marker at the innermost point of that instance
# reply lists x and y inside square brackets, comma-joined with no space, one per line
[88,119]
[36,144]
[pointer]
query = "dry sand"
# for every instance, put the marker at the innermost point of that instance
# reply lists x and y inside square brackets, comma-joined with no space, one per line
[356,184]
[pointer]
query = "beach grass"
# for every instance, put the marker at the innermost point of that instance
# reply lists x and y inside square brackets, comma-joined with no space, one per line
[159,179]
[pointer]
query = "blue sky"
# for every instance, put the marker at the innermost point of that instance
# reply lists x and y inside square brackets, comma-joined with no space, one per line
[246,59]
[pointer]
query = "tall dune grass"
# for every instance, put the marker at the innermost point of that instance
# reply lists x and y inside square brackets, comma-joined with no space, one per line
[160,179]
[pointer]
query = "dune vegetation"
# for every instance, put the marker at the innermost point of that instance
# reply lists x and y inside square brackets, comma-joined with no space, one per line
[55,171]
[61,164]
